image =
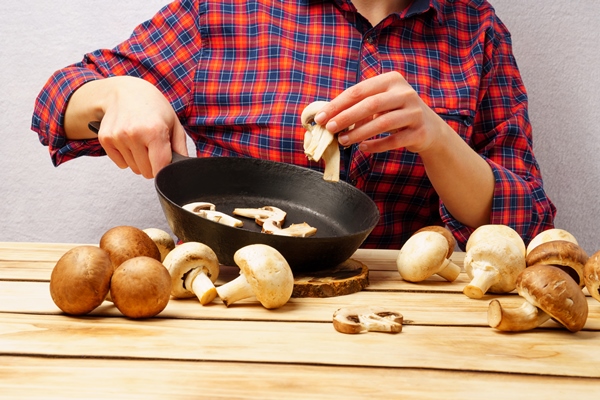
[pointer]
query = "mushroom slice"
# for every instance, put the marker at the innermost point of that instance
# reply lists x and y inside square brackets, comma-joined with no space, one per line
[221,218]
[367,319]
[548,290]
[198,206]
[320,143]
[273,227]
[261,214]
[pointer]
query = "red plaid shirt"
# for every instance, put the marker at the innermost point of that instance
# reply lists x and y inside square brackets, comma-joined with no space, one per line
[238,74]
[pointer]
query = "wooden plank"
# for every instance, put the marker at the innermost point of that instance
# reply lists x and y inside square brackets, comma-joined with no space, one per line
[30,378]
[417,308]
[471,349]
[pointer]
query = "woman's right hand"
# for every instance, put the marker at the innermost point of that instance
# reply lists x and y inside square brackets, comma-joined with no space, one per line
[139,127]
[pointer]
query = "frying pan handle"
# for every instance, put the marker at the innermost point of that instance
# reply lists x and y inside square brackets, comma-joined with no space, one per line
[94,126]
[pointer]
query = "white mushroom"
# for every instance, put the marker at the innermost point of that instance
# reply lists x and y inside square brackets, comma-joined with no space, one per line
[264,274]
[320,143]
[367,319]
[193,267]
[261,214]
[425,254]
[273,227]
[162,239]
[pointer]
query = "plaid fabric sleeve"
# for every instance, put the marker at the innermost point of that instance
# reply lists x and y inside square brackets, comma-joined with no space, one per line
[162,50]
[502,136]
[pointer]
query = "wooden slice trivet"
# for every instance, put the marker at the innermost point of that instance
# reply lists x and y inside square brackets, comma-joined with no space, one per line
[351,276]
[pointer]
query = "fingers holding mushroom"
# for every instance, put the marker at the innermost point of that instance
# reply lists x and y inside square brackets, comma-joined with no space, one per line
[264,274]
[549,292]
[367,319]
[193,268]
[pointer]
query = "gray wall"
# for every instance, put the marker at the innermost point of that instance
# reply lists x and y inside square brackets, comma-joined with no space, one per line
[556,43]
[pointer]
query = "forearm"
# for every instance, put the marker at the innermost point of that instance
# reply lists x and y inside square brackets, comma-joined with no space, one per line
[462,178]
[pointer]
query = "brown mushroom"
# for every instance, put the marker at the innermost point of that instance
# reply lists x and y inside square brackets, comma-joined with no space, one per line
[550,235]
[264,274]
[367,319]
[565,255]
[141,287]
[125,242]
[320,143]
[80,280]
[162,240]
[194,268]
[591,275]
[425,254]
[549,292]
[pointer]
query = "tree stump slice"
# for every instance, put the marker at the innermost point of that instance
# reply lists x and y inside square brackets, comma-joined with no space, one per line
[349,277]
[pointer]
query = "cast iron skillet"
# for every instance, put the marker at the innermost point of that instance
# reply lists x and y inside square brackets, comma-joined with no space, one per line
[343,215]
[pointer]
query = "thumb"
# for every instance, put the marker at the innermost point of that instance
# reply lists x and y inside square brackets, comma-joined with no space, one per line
[178,139]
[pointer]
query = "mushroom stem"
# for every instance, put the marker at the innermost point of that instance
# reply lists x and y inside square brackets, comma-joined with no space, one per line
[198,282]
[449,271]
[235,290]
[484,276]
[523,318]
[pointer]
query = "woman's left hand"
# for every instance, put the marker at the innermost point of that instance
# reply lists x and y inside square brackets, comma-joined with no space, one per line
[386,103]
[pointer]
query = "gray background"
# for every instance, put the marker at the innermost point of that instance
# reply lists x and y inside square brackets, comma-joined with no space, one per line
[557,45]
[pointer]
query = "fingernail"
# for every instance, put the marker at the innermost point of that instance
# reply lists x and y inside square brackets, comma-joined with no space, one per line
[320,117]
[343,140]
[331,126]
[363,147]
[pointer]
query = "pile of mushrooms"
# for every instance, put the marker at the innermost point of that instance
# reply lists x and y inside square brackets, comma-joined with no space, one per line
[320,143]
[124,268]
[495,255]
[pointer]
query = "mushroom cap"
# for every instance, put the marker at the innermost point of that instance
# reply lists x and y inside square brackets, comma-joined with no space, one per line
[162,239]
[563,254]
[491,232]
[556,293]
[591,275]
[185,258]
[141,287]
[267,272]
[125,242]
[80,279]
[310,111]
[422,255]
[502,256]
[446,233]
[550,235]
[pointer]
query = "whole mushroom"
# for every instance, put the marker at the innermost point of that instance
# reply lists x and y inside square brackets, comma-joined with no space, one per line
[425,254]
[550,235]
[563,254]
[264,274]
[549,292]
[80,280]
[493,260]
[162,240]
[591,275]
[194,267]
[320,143]
[125,242]
[140,287]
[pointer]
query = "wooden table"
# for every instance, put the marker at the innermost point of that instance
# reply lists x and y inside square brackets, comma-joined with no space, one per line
[446,349]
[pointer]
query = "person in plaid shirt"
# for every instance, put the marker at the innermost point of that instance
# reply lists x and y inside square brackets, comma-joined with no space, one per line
[441,129]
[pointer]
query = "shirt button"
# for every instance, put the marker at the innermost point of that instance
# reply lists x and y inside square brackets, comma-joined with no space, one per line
[370,39]
[353,182]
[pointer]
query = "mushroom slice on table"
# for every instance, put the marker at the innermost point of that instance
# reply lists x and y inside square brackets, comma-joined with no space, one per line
[550,235]
[194,268]
[320,143]
[549,292]
[493,260]
[563,254]
[367,319]
[273,227]
[591,275]
[264,274]
[162,239]
[261,214]
[425,254]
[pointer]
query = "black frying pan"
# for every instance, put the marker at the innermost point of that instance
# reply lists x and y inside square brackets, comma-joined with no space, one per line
[343,215]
